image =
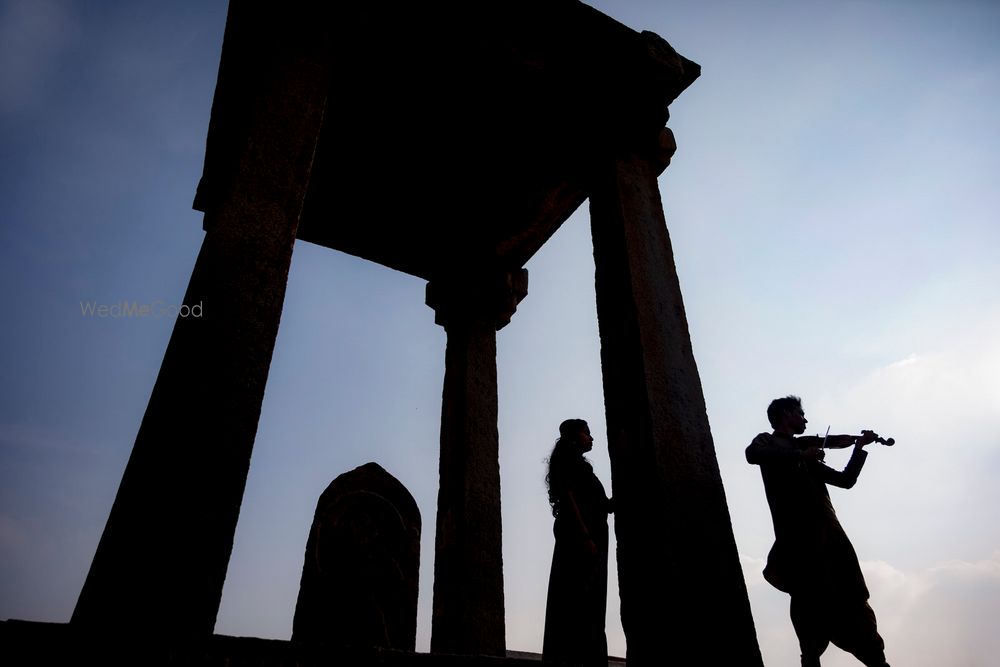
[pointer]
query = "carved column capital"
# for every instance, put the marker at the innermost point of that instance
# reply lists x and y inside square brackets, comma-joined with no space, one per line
[493,296]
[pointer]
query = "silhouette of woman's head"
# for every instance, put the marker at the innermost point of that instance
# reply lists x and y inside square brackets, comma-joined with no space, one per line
[574,440]
[573,431]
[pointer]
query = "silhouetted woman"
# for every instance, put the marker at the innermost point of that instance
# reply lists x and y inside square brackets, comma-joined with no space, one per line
[578,584]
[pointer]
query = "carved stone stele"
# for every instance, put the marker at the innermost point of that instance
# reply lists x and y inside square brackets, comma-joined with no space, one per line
[362,561]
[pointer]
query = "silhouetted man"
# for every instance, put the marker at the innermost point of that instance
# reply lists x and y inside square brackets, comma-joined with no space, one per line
[812,559]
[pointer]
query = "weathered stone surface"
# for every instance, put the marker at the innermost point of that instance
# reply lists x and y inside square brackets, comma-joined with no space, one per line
[514,122]
[26,642]
[683,597]
[468,616]
[362,563]
[490,108]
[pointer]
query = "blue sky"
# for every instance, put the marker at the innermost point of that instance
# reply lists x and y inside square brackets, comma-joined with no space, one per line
[833,211]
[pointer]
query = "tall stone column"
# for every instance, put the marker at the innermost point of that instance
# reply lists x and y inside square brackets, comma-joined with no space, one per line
[161,562]
[468,616]
[683,597]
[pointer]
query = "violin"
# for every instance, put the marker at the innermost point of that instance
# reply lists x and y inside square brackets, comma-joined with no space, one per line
[888,442]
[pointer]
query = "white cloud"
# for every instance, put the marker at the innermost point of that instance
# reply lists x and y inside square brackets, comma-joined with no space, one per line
[941,403]
[942,615]
[939,615]
[903,363]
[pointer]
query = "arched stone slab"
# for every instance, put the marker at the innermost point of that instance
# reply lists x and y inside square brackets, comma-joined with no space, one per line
[362,561]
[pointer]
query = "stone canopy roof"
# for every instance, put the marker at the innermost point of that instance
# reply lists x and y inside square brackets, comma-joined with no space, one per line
[456,136]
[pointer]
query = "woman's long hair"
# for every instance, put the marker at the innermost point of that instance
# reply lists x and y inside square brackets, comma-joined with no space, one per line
[566,451]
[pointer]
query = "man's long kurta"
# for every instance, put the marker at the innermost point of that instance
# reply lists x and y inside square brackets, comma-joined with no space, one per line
[811,552]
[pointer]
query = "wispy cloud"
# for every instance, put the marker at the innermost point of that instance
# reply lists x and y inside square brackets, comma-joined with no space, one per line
[35,437]
[12,536]
[33,34]
[948,387]
[942,615]
[939,615]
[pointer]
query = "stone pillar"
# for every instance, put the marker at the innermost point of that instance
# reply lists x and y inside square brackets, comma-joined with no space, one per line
[161,562]
[683,597]
[468,616]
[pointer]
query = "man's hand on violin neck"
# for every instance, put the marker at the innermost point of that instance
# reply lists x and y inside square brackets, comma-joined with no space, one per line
[867,437]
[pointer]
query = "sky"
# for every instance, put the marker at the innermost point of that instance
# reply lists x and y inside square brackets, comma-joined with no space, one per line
[834,217]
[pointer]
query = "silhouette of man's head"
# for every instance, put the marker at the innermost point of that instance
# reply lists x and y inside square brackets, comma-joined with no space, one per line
[780,408]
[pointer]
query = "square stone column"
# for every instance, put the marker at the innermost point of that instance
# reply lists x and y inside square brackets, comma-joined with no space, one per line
[468,616]
[162,559]
[683,597]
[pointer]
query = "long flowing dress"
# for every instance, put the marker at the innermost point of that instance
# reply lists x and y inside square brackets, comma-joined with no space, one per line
[578,583]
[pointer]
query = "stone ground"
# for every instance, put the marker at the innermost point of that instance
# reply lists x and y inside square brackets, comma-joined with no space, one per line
[33,643]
